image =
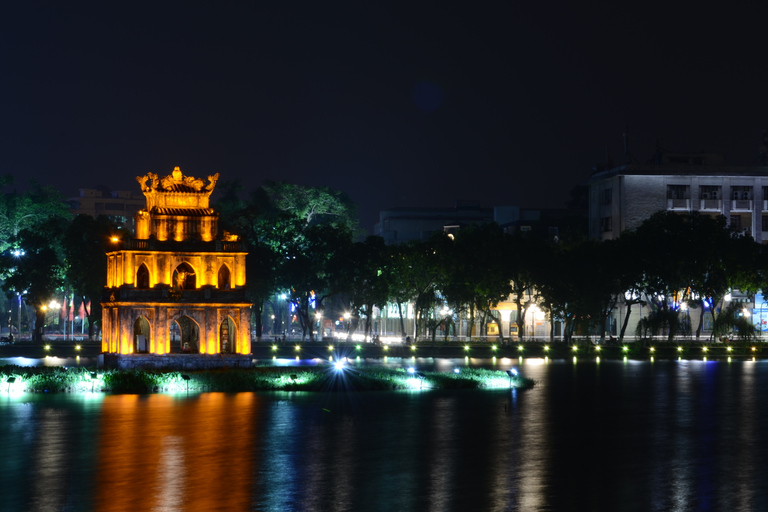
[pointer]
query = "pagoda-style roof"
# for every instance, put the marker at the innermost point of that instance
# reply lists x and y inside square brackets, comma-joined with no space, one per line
[177,192]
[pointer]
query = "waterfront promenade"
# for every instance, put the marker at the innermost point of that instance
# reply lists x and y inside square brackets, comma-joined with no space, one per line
[266,350]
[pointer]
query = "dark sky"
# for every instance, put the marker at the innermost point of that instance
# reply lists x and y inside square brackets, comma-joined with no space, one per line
[396,103]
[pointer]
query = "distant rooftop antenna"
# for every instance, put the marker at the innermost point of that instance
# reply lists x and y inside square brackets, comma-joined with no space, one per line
[763,149]
[627,156]
[658,156]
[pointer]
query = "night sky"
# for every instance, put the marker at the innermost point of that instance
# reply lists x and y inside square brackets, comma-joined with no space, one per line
[408,103]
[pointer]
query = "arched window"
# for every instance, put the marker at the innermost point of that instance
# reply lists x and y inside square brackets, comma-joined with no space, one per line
[141,335]
[184,277]
[224,283]
[142,277]
[227,336]
[185,336]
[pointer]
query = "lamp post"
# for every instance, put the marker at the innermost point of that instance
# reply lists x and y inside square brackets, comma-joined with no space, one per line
[18,253]
[287,327]
[347,317]
[446,312]
[18,331]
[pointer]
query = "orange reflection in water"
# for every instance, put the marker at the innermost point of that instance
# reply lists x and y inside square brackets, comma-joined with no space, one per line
[157,452]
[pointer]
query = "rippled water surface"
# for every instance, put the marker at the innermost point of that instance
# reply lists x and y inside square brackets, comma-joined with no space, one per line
[671,435]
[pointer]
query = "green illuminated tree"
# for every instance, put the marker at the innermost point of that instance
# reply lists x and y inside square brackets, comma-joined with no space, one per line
[39,273]
[313,205]
[22,211]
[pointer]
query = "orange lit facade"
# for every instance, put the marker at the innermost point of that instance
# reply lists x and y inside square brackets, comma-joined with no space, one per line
[176,287]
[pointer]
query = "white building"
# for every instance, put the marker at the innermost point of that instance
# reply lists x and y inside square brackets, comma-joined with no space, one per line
[623,197]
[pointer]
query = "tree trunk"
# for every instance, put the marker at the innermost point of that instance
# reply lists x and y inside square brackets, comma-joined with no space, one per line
[498,322]
[471,322]
[402,320]
[37,336]
[626,321]
[551,326]
[368,312]
[258,309]
[701,322]
[521,312]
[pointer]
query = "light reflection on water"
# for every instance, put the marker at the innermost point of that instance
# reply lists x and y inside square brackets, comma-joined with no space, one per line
[591,436]
[76,361]
[165,453]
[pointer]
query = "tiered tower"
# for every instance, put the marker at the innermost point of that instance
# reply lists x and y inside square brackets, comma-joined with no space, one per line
[176,287]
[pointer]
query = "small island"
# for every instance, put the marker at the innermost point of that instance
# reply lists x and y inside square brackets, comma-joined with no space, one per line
[338,377]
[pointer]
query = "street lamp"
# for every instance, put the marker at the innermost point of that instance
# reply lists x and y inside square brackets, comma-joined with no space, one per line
[446,312]
[18,253]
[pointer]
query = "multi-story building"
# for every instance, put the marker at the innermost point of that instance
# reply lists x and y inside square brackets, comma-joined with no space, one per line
[415,223]
[623,197]
[119,205]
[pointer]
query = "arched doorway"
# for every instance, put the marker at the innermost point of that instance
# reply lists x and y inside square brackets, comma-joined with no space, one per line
[184,277]
[227,336]
[142,277]
[141,335]
[224,278]
[185,336]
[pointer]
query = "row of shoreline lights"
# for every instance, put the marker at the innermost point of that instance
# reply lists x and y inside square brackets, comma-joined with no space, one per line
[520,348]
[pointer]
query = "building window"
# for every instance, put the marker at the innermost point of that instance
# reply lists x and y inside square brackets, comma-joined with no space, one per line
[678,192]
[606,196]
[765,222]
[606,224]
[736,223]
[741,193]
[711,192]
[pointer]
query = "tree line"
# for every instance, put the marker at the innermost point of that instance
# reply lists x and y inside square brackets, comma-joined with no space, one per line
[305,243]
[672,261]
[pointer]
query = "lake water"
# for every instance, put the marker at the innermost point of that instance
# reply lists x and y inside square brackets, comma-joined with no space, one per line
[608,436]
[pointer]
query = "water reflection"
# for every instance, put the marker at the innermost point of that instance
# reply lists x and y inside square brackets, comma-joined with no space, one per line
[611,436]
[160,452]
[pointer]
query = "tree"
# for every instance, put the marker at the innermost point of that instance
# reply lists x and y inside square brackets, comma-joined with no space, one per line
[22,211]
[265,234]
[665,241]
[291,233]
[418,270]
[477,275]
[314,205]
[361,272]
[85,244]
[306,270]
[691,258]
[39,273]
[524,255]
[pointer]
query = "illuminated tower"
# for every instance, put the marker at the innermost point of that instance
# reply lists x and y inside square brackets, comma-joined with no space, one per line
[176,287]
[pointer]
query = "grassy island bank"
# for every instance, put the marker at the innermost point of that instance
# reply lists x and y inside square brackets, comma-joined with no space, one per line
[261,378]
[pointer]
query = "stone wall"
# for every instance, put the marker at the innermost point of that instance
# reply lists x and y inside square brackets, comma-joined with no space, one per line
[187,362]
